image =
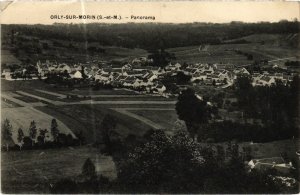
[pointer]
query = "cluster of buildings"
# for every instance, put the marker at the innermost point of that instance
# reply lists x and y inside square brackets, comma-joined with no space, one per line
[138,76]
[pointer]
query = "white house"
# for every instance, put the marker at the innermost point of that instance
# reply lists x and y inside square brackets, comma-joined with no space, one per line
[102,77]
[76,74]
[63,68]
[160,88]
[199,76]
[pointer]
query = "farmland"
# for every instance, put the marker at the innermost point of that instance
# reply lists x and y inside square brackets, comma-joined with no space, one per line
[33,171]
[22,116]
[271,49]
[84,114]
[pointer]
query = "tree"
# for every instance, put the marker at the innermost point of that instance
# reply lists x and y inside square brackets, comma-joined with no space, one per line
[88,169]
[54,129]
[32,131]
[176,164]
[6,132]
[42,135]
[20,137]
[80,137]
[245,93]
[161,58]
[107,126]
[163,164]
[194,111]
[182,78]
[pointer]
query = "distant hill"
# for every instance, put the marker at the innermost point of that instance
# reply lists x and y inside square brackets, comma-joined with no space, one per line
[281,40]
[121,42]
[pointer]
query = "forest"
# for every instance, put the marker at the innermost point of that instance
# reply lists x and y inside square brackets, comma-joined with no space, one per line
[151,36]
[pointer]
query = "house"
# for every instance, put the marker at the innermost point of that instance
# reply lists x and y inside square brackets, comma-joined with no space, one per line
[6,72]
[199,76]
[64,68]
[265,81]
[141,83]
[159,88]
[127,67]
[150,77]
[176,66]
[191,71]
[42,68]
[102,77]
[207,69]
[276,163]
[241,71]
[76,74]
[129,81]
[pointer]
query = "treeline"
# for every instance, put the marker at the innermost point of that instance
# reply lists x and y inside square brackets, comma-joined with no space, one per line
[275,106]
[150,36]
[37,138]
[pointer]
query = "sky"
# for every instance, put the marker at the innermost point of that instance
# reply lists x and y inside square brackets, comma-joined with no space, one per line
[40,12]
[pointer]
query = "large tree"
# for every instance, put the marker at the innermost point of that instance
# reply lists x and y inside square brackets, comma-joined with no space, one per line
[160,58]
[54,129]
[88,169]
[193,110]
[32,131]
[20,137]
[6,132]
[105,130]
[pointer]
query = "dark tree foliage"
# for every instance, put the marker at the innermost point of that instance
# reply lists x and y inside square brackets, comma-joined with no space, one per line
[161,58]
[6,133]
[88,169]
[182,79]
[54,129]
[107,135]
[193,111]
[276,104]
[145,35]
[176,164]
[32,131]
[295,64]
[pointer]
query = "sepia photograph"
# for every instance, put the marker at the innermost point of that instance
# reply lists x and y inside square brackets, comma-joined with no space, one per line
[150,97]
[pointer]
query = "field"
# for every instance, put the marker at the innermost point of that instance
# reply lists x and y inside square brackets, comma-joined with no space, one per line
[22,116]
[273,48]
[86,118]
[8,58]
[8,104]
[165,118]
[32,171]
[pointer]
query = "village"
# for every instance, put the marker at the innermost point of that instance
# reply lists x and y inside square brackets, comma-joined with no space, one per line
[137,75]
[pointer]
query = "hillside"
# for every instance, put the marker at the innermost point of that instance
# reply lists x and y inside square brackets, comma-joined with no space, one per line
[272,47]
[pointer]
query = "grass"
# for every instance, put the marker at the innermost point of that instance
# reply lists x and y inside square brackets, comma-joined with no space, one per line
[8,58]
[165,118]
[32,171]
[86,118]
[99,92]
[133,98]
[40,94]
[27,99]
[5,103]
[22,116]
[224,52]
